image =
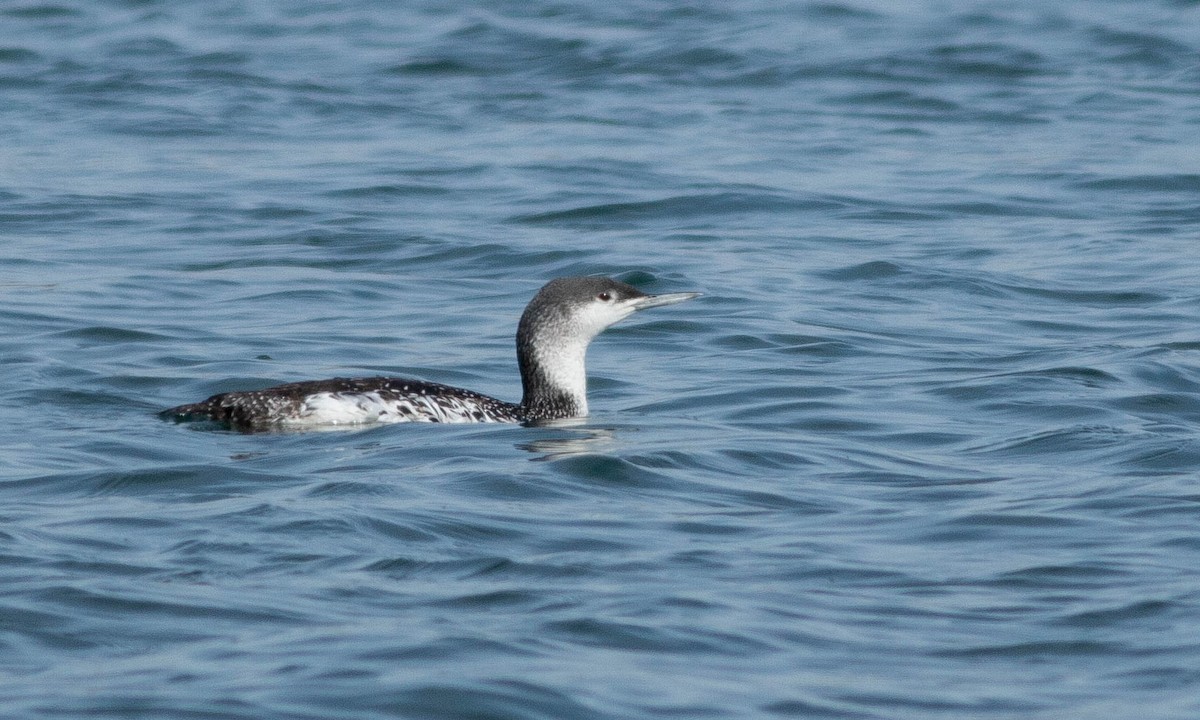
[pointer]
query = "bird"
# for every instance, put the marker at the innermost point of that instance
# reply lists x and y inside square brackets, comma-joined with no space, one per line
[553,336]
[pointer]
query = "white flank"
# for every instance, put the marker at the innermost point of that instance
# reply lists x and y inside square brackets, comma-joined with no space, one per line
[330,408]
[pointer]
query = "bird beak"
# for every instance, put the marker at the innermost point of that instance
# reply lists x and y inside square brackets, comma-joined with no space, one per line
[668,299]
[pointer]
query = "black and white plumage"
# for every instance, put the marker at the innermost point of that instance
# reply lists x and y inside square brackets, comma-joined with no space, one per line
[552,340]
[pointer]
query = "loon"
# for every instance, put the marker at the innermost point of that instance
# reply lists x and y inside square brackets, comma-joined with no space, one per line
[552,341]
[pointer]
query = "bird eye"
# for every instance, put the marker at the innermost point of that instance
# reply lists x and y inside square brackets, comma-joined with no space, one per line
[604,296]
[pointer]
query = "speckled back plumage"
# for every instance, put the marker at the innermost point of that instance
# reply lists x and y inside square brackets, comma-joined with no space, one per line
[362,400]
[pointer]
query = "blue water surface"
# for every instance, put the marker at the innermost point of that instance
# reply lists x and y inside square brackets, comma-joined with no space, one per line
[927,447]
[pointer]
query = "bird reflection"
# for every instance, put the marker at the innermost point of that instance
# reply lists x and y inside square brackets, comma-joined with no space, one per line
[575,442]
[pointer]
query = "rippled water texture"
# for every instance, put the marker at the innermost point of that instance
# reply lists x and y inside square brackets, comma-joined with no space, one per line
[926,448]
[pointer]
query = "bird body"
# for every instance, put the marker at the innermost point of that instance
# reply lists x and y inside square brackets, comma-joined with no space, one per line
[552,340]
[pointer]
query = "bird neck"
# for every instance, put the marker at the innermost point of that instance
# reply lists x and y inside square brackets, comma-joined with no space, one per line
[553,376]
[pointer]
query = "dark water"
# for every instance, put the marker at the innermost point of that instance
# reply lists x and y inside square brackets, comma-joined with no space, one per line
[927,448]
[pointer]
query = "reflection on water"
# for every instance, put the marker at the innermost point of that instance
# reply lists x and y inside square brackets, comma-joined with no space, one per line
[575,442]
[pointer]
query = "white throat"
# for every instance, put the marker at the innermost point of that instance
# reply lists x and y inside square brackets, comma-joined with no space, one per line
[564,367]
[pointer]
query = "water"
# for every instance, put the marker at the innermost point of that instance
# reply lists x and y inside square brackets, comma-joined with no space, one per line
[926,448]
